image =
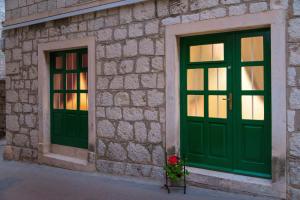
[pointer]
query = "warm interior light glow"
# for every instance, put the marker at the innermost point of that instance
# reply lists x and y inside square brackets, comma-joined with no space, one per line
[84,86]
[71,103]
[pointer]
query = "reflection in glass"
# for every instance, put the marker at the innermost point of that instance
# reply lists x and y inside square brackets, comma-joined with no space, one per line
[71,61]
[217,78]
[58,101]
[71,103]
[253,107]
[195,105]
[195,79]
[71,81]
[252,49]
[253,78]
[217,106]
[84,101]
[58,81]
[83,81]
[58,62]
[207,52]
[84,60]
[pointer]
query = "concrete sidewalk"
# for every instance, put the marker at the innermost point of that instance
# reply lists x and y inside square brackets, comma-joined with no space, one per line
[26,181]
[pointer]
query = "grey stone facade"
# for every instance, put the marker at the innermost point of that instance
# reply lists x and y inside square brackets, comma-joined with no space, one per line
[23,8]
[130,89]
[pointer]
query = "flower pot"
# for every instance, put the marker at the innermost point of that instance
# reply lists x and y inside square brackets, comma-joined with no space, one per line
[176,183]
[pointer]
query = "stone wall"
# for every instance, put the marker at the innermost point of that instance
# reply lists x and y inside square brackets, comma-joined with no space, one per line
[130,97]
[23,8]
[2,108]
[293,113]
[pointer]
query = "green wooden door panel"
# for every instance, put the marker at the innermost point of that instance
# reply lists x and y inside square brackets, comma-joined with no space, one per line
[219,135]
[195,138]
[69,122]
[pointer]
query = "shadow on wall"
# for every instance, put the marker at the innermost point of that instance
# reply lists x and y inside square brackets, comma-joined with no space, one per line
[2,108]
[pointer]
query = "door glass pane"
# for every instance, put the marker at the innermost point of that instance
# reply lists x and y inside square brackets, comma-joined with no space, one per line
[253,78]
[252,49]
[71,103]
[71,81]
[84,60]
[83,81]
[217,106]
[58,81]
[84,101]
[253,107]
[195,79]
[71,61]
[195,105]
[207,52]
[217,78]
[58,101]
[58,62]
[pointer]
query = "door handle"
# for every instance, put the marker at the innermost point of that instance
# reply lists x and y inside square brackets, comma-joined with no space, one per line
[229,100]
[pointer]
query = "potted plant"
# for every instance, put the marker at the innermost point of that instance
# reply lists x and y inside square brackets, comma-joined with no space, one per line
[175,170]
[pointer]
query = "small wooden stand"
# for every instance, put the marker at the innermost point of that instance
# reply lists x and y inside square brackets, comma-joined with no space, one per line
[167,185]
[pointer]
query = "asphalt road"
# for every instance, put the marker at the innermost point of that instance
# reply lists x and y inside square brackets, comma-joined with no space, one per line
[25,181]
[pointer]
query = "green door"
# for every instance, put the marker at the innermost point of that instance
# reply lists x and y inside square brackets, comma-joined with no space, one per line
[69,98]
[226,101]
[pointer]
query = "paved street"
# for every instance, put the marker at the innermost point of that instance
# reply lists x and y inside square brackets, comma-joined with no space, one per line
[26,181]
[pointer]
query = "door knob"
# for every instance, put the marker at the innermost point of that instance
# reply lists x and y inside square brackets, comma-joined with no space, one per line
[229,100]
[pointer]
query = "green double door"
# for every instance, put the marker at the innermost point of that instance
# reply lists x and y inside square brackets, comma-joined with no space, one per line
[225,102]
[69,98]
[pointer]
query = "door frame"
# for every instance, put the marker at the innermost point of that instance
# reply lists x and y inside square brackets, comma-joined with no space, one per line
[276,21]
[44,135]
[233,120]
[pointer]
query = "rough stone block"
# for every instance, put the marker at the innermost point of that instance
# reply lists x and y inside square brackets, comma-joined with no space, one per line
[132,114]
[158,156]
[104,34]
[12,123]
[237,9]
[142,64]
[144,10]
[294,99]
[155,98]
[113,50]
[131,81]
[104,99]
[21,140]
[135,30]
[113,113]
[202,4]
[138,153]
[214,13]
[279,4]
[121,99]
[105,129]
[295,146]
[146,47]
[130,48]
[154,135]
[125,130]
[116,152]
[152,27]
[138,98]
[294,29]
[126,66]
[258,7]
[149,80]
[101,148]
[140,132]
[116,83]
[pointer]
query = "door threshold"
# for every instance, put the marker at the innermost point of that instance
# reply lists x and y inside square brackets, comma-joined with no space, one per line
[68,158]
[233,182]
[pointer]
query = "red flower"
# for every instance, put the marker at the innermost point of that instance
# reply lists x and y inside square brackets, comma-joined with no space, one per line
[173,160]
